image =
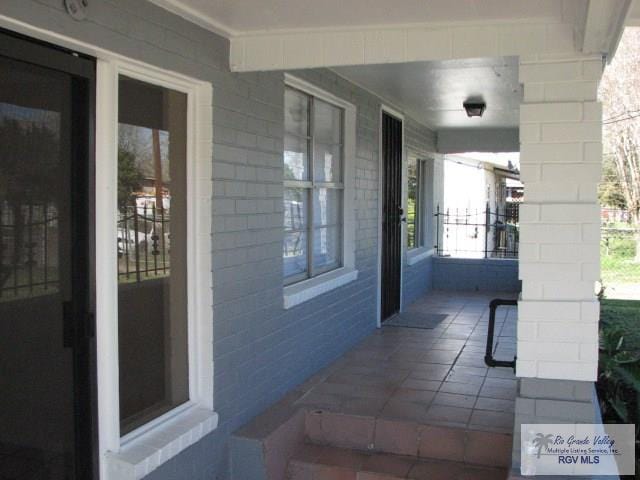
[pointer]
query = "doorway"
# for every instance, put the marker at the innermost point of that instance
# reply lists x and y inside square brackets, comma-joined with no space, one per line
[392,215]
[47,359]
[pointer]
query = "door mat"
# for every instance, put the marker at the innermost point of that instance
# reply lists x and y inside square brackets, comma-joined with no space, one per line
[416,320]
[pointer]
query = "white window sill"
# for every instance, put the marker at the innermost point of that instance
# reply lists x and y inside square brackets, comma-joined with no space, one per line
[140,456]
[306,290]
[418,254]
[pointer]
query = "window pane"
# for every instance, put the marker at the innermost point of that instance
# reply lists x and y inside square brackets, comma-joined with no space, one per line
[326,247]
[295,253]
[296,112]
[326,206]
[152,256]
[40,124]
[412,203]
[295,208]
[296,158]
[327,162]
[327,122]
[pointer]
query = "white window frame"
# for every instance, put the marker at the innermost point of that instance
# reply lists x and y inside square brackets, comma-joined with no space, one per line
[421,252]
[137,453]
[299,292]
[420,202]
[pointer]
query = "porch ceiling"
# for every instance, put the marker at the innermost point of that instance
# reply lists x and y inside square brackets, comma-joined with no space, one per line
[288,34]
[634,14]
[433,92]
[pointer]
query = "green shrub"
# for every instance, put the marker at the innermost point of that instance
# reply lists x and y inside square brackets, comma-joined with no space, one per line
[619,369]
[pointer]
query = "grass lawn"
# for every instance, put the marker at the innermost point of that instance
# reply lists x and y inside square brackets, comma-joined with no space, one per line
[619,269]
[617,260]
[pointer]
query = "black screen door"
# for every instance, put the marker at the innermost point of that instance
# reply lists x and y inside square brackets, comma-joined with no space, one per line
[391,214]
[46,98]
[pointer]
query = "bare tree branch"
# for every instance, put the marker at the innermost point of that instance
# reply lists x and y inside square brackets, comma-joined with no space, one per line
[620,96]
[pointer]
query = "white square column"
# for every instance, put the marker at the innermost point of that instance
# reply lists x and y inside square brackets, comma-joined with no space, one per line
[561,157]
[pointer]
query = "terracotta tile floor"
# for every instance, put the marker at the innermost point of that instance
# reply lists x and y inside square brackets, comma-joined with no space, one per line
[435,376]
[324,462]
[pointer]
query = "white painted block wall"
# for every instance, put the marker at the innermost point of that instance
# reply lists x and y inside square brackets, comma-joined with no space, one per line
[560,155]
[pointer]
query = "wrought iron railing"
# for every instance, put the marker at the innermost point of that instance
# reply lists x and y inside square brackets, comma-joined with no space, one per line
[143,243]
[28,249]
[478,233]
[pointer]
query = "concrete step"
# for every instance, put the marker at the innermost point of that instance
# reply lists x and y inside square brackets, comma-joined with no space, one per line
[262,449]
[315,462]
[408,438]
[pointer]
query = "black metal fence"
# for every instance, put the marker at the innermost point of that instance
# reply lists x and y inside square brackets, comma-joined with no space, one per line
[478,233]
[28,249]
[143,243]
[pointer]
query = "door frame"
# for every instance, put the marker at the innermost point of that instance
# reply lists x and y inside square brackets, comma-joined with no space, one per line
[82,70]
[386,109]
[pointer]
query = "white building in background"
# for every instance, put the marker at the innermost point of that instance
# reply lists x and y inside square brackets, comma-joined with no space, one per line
[471,180]
[476,193]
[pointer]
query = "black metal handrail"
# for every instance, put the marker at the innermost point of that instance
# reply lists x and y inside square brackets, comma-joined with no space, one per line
[488,357]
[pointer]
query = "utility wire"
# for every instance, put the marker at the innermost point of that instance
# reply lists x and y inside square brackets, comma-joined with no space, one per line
[630,117]
[618,115]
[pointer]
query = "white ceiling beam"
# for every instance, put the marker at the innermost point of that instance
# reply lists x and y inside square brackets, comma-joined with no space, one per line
[603,26]
[333,47]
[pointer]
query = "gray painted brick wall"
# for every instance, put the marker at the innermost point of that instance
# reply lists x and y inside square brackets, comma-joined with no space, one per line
[476,275]
[417,279]
[419,141]
[261,351]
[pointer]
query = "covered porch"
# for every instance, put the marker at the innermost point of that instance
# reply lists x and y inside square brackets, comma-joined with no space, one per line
[404,403]
[313,170]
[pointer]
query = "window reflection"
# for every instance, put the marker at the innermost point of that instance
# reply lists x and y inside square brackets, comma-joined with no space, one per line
[144,203]
[30,153]
[152,252]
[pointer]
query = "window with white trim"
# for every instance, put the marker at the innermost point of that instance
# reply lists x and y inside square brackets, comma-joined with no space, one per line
[415,202]
[314,186]
[153,267]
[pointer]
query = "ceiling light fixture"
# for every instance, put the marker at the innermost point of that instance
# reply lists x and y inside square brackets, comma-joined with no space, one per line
[474,108]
